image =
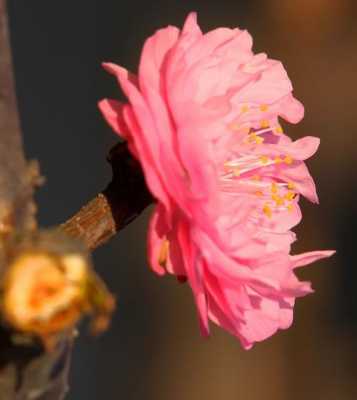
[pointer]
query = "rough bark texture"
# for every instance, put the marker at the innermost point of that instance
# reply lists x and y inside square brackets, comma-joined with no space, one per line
[121,202]
[26,370]
[17,177]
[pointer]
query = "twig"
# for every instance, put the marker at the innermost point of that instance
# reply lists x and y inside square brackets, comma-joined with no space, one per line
[28,371]
[17,177]
[110,211]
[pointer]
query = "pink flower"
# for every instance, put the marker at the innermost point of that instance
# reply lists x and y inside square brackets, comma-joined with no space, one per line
[202,119]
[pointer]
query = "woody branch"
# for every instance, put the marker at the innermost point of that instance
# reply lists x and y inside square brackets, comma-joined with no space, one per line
[46,280]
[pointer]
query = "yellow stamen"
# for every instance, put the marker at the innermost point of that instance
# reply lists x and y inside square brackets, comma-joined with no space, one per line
[264,159]
[259,193]
[278,160]
[290,196]
[254,138]
[291,186]
[259,140]
[274,188]
[256,178]
[264,107]
[278,199]
[236,172]
[267,210]
[288,160]
[164,252]
[244,109]
[279,130]
[250,138]
[264,123]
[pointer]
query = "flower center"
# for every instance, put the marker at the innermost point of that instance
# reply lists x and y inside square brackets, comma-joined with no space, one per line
[250,170]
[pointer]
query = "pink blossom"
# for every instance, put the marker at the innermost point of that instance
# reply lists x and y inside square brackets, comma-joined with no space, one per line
[202,119]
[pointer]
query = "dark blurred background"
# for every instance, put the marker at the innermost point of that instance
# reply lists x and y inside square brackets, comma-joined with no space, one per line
[153,350]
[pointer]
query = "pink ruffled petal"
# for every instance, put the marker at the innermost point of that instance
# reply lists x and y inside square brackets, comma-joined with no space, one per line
[190,26]
[153,56]
[195,276]
[156,236]
[299,175]
[203,120]
[272,85]
[112,111]
[303,259]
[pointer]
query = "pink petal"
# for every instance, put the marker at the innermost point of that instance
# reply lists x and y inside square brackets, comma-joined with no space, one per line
[299,175]
[303,259]
[112,111]
[189,113]
[291,109]
[121,73]
[153,55]
[195,276]
[190,26]
[156,236]
[272,85]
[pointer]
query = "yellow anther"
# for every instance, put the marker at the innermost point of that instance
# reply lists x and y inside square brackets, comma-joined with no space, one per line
[279,130]
[278,160]
[251,137]
[278,199]
[288,160]
[244,108]
[259,193]
[274,188]
[291,186]
[264,159]
[290,208]
[264,123]
[264,107]
[236,172]
[280,202]
[254,138]
[164,252]
[258,140]
[267,210]
[256,178]
[290,196]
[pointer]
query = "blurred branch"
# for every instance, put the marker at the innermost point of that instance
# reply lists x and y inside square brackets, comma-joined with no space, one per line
[46,281]
[26,371]
[17,178]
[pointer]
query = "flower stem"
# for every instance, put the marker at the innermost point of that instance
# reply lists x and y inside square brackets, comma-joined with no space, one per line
[111,210]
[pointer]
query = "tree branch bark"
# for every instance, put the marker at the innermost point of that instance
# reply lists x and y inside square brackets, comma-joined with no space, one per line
[28,370]
[111,210]
[17,177]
